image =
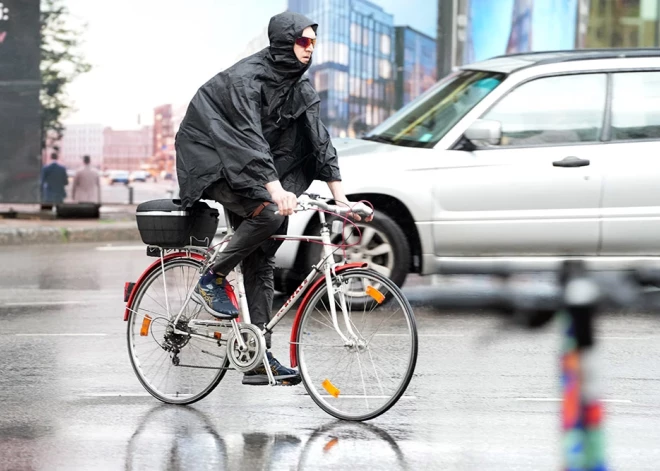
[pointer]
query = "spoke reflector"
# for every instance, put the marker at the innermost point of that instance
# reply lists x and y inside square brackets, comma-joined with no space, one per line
[374,293]
[331,388]
[146,322]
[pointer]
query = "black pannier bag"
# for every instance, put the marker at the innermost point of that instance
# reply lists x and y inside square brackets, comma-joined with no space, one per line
[166,224]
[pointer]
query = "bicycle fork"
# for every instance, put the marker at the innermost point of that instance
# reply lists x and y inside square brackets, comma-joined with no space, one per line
[332,290]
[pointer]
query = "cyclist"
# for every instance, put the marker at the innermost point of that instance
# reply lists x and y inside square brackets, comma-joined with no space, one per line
[252,140]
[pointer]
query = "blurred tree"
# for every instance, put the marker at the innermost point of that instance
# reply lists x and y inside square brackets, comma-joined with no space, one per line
[61,63]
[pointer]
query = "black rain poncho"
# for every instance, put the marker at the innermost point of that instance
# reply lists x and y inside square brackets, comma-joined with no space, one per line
[255,123]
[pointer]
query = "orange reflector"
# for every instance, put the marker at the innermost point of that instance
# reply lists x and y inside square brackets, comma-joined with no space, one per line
[146,322]
[331,388]
[374,293]
[217,335]
[328,446]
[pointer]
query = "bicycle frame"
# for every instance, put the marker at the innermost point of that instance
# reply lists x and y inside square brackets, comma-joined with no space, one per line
[326,264]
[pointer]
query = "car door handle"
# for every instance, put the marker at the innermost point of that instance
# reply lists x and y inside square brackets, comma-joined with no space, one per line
[571,162]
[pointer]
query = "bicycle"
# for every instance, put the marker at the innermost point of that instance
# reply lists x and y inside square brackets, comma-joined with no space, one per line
[576,298]
[329,340]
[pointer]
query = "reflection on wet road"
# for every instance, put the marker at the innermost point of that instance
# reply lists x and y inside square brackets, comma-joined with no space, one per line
[481,398]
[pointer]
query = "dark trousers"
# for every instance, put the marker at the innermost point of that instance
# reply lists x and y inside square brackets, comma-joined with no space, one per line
[253,221]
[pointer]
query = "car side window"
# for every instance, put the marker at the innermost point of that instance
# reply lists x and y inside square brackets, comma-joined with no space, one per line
[635,106]
[552,110]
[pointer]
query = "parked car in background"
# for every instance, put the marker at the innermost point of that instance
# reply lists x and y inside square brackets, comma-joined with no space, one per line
[139,176]
[118,176]
[532,158]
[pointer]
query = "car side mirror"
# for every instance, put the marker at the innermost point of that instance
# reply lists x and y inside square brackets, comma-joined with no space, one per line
[484,132]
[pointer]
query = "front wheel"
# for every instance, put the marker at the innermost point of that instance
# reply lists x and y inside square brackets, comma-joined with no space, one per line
[364,377]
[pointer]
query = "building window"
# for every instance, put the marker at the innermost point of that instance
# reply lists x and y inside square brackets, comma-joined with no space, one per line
[332,52]
[356,33]
[340,80]
[385,44]
[627,23]
[321,80]
[385,68]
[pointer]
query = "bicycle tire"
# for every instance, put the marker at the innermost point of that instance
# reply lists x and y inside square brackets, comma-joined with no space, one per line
[136,320]
[311,380]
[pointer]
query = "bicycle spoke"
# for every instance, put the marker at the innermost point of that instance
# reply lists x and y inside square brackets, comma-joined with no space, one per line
[323,323]
[375,375]
[364,386]
[154,356]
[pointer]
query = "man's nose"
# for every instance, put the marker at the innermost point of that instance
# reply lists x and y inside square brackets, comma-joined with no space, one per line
[310,48]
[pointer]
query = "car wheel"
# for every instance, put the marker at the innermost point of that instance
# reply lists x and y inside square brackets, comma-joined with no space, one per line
[286,281]
[383,246]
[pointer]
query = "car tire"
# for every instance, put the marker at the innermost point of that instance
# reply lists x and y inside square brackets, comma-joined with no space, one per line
[286,281]
[387,250]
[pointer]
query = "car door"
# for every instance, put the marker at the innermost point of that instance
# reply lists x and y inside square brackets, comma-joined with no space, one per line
[631,193]
[525,196]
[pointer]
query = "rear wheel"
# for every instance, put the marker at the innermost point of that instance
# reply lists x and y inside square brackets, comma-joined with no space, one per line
[365,377]
[175,368]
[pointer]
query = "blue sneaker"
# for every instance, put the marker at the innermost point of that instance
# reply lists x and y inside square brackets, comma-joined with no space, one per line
[217,296]
[283,375]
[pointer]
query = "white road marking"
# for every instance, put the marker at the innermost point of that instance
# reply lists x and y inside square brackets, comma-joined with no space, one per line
[342,396]
[557,399]
[61,335]
[422,335]
[43,303]
[623,338]
[116,394]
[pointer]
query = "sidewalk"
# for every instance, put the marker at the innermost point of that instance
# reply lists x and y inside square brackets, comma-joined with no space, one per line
[31,226]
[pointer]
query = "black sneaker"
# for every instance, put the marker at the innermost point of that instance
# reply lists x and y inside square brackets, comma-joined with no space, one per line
[283,375]
[217,296]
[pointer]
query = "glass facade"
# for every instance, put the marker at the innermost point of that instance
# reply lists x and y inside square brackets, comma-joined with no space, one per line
[622,23]
[486,28]
[352,68]
[415,64]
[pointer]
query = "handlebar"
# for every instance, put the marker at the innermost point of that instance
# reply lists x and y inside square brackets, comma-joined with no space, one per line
[307,201]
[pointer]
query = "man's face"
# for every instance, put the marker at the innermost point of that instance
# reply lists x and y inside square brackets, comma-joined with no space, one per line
[303,46]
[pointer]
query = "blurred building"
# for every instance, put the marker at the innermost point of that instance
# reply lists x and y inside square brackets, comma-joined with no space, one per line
[520,37]
[352,68]
[622,23]
[415,64]
[163,139]
[127,149]
[256,44]
[79,140]
[167,119]
[473,30]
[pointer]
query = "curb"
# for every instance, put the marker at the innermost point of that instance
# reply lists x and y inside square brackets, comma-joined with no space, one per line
[120,231]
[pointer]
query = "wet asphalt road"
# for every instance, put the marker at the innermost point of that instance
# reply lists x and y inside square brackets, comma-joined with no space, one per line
[481,399]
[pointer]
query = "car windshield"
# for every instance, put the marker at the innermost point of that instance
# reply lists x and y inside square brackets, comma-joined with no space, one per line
[424,121]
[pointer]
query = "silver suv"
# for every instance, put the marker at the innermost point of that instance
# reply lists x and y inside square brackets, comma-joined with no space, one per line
[531,157]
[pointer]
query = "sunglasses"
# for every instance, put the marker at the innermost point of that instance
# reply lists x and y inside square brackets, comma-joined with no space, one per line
[305,42]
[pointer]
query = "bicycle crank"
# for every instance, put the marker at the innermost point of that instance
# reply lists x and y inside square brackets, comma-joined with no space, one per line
[247,358]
